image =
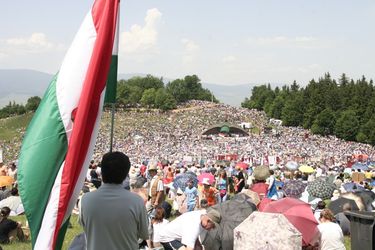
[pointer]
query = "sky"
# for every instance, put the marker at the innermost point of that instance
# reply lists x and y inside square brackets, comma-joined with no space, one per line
[223,42]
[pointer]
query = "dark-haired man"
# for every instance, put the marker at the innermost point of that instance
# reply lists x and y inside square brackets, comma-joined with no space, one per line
[112,217]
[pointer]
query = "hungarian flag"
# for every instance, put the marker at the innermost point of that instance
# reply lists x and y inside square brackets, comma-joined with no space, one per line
[60,139]
[110,94]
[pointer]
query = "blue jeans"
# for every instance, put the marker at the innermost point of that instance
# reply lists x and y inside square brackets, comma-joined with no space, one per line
[190,207]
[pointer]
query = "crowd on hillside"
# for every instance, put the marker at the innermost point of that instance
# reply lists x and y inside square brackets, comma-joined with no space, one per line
[195,172]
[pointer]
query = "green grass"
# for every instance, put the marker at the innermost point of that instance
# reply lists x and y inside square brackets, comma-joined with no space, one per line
[347,243]
[70,234]
[12,126]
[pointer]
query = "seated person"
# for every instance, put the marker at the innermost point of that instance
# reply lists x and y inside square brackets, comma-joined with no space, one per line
[8,227]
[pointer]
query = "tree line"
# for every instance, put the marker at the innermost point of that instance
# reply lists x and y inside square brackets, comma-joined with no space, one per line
[147,92]
[344,108]
[151,92]
[14,108]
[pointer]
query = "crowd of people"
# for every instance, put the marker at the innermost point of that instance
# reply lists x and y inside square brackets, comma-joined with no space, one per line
[171,170]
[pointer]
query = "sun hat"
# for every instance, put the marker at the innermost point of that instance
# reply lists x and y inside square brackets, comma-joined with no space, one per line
[206,181]
[152,167]
[214,216]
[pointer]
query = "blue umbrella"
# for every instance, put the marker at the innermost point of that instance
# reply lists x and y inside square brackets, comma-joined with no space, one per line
[362,167]
[181,180]
[352,187]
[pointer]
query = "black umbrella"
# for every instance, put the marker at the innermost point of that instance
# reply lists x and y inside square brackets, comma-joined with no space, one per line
[232,212]
[321,188]
[294,188]
[337,205]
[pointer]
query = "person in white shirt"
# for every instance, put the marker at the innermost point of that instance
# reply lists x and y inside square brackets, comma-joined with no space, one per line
[183,232]
[331,236]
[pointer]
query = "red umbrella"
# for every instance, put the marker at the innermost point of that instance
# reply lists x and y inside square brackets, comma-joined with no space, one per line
[263,203]
[299,214]
[209,176]
[242,165]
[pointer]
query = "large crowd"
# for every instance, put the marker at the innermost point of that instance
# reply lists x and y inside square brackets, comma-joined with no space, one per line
[171,160]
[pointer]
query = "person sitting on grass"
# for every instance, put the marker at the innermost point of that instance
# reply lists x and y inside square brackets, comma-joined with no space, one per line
[9,228]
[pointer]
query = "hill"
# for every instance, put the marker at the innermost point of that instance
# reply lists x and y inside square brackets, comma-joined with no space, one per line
[151,134]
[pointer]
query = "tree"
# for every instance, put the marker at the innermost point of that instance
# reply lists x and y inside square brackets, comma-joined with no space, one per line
[367,132]
[324,123]
[148,98]
[164,101]
[347,125]
[32,103]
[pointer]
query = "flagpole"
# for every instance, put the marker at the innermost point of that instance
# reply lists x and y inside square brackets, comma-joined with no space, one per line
[112,125]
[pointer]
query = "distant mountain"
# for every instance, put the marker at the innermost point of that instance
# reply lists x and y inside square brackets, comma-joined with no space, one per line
[20,84]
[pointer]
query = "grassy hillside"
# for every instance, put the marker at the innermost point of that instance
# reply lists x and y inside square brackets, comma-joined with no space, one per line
[13,126]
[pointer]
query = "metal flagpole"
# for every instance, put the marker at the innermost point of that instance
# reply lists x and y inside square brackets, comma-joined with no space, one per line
[112,125]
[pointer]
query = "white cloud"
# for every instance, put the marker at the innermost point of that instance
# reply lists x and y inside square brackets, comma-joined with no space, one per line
[141,39]
[305,42]
[228,59]
[190,46]
[191,50]
[35,44]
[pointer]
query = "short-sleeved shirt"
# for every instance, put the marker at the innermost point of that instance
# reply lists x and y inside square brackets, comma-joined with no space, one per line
[331,236]
[6,226]
[210,196]
[185,228]
[113,218]
[191,195]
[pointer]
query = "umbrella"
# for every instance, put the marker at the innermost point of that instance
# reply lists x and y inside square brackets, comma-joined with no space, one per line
[242,165]
[362,167]
[368,198]
[294,188]
[6,181]
[263,203]
[336,205]
[306,169]
[255,233]
[164,162]
[299,213]
[352,186]
[291,165]
[209,176]
[261,172]
[232,212]
[253,196]
[358,200]
[181,180]
[320,188]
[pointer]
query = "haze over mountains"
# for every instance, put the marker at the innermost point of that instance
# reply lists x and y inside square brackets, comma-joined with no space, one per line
[20,84]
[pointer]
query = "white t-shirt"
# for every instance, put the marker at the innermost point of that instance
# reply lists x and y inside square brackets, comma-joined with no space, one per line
[157,228]
[185,228]
[332,237]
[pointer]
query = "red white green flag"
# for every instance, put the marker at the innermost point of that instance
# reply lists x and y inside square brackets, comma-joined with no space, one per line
[60,139]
